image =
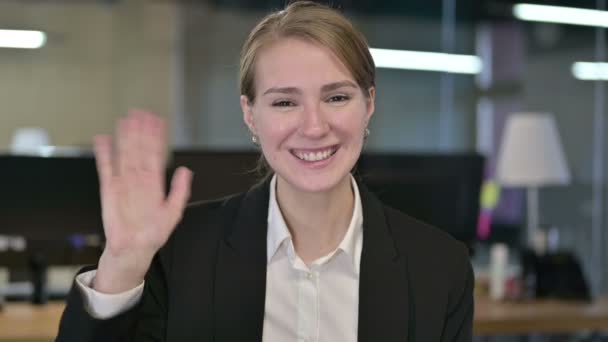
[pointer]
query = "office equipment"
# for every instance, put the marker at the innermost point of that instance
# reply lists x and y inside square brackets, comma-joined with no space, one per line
[441,189]
[555,275]
[54,201]
[57,197]
[218,173]
[51,200]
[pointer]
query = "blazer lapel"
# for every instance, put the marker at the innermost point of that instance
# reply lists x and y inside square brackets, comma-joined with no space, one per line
[240,285]
[384,306]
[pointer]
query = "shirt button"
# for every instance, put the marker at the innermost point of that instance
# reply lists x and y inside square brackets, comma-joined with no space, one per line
[309,275]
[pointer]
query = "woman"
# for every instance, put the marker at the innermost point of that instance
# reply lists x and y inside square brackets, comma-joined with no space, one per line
[307,255]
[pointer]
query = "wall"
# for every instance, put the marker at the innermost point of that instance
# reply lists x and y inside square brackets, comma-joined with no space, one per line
[99,60]
[407,106]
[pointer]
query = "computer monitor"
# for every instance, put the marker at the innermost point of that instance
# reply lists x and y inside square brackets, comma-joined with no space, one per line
[440,189]
[55,197]
[49,198]
[218,173]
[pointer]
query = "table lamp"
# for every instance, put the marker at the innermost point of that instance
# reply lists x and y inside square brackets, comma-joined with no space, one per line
[531,156]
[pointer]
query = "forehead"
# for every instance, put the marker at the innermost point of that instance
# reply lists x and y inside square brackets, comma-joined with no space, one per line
[298,63]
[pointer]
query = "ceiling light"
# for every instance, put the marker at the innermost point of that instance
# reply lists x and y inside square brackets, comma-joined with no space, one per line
[561,15]
[22,39]
[427,61]
[589,71]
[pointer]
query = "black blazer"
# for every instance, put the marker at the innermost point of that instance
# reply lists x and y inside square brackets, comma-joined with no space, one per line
[208,283]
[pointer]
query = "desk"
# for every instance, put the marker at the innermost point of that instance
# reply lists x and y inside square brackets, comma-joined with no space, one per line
[546,316]
[24,322]
[21,322]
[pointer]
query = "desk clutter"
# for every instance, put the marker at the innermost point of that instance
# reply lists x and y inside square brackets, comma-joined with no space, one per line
[40,270]
[530,275]
[534,293]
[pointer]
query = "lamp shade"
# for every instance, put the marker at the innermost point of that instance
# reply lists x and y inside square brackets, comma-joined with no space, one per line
[531,152]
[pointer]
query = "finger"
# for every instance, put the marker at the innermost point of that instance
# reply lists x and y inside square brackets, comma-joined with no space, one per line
[180,193]
[121,143]
[102,148]
[157,148]
[153,143]
[139,155]
[126,145]
[160,148]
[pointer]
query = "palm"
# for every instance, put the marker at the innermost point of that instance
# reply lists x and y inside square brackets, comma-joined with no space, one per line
[137,216]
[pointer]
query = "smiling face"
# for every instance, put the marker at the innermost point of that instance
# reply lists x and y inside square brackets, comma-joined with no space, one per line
[309,114]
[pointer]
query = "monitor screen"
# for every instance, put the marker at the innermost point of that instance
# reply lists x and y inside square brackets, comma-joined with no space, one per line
[218,174]
[49,197]
[440,189]
[53,197]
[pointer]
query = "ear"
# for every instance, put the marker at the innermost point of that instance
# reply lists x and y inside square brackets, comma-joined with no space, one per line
[371,103]
[247,114]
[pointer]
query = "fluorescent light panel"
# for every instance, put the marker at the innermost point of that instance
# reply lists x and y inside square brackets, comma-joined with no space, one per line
[22,39]
[561,15]
[590,71]
[427,61]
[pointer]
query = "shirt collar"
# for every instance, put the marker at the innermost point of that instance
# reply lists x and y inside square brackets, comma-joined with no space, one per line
[277,228]
[351,244]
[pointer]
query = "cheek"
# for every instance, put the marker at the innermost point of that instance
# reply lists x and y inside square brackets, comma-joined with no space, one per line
[274,129]
[350,124]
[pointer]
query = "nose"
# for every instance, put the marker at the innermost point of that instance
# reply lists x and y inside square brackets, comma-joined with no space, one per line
[314,124]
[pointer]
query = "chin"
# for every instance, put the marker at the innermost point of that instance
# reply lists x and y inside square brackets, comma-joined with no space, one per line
[314,183]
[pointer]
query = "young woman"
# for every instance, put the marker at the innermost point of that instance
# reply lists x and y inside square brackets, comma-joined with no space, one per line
[307,255]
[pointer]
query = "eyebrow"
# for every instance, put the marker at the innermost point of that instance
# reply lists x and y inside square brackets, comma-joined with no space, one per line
[282,90]
[324,89]
[337,85]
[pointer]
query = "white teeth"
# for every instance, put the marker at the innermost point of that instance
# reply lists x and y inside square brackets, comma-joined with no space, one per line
[312,156]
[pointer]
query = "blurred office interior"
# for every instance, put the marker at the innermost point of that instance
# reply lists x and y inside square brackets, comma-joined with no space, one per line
[436,126]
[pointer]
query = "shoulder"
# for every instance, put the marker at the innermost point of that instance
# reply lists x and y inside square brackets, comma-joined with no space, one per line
[429,250]
[207,217]
[439,268]
[419,236]
[200,229]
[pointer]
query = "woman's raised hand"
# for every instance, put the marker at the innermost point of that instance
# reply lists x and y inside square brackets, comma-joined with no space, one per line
[138,217]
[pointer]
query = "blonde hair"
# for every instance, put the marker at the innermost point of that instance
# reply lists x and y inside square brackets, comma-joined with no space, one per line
[315,23]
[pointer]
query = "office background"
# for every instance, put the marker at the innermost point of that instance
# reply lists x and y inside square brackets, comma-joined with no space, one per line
[180,60]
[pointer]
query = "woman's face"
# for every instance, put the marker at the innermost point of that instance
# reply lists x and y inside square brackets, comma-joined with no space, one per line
[309,114]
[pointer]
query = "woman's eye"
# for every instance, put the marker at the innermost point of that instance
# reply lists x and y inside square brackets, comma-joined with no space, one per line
[283,104]
[338,98]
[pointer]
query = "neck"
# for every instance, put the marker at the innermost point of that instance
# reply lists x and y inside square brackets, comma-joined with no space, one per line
[317,221]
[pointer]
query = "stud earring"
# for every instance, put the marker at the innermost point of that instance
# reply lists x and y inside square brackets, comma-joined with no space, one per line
[366,133]
[255,140]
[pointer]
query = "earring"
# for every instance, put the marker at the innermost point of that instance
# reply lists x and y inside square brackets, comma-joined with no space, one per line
[255,140]
[366,133]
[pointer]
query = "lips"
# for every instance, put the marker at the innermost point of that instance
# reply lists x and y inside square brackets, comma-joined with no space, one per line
[314,155]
